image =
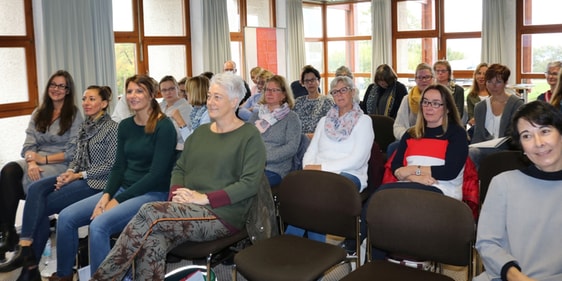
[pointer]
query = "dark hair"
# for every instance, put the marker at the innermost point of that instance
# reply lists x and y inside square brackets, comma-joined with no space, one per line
[44,114]
[182,81]
[151,86]
[539,113]
[208,74]
[449,107]
[309,69]
[104,92]
[385,73]
[497,70]
[556,100]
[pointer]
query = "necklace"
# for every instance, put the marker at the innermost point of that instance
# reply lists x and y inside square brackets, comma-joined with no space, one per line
[495,99]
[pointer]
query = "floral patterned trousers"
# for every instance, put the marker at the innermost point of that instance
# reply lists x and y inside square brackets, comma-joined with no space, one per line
[157,228]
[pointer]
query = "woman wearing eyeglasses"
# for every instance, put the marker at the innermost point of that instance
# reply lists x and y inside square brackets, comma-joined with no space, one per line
[551,74]
[342,141]
[280,128]
[312,107]
[438,127]
[492,117]
[46,152]
[174,106]
[444,76]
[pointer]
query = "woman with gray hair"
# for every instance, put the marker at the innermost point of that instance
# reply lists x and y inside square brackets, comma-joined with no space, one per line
[551,75]
[342,141]
[212,187]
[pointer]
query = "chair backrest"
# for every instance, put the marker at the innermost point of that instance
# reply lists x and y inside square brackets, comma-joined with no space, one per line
[375,172]
[496,163]
[384,131]
[421,224]
[320,201]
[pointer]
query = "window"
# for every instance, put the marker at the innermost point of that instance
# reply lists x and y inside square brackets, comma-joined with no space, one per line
[17,54]
[427,31]
[158,43]
[346,40]
[253,13]
[540,41]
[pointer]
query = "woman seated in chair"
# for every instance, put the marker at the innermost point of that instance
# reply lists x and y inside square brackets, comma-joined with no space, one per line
[519,227]
[213,185]
[432,154]
[144,159]
[342,141]
[279,126]
[86,175]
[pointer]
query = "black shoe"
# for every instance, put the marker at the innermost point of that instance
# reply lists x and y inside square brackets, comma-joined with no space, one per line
[8,240]
[17,260]
[30,273]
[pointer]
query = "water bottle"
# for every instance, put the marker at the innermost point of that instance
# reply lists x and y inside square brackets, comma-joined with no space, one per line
[47,252]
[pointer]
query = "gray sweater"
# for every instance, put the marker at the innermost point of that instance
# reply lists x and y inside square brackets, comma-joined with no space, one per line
[480,132]
[281,142]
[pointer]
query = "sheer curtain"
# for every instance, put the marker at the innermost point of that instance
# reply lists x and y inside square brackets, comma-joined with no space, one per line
[76,36]
[296,58]
[216,35]
[382,33]
[498,33]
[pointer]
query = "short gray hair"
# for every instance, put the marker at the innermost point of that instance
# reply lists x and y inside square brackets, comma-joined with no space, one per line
[348,82]
[232,83]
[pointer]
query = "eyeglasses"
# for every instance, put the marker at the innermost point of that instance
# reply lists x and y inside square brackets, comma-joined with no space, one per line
[171,89]
[306,81]
[496,82]
[342,91]
[551,74]
[434,104]
[424,78]
[273,90]
[58,87]
[441,71]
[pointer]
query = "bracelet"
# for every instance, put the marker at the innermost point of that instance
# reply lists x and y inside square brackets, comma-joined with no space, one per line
[46,159]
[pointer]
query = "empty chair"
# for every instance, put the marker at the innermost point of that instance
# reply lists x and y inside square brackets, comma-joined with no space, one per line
[384,134]
[420,224]
[318,201]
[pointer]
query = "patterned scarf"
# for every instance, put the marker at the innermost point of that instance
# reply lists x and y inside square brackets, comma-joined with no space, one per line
[374,97]
[268,118]
[196,115]
[339,128]
[88,129]
[414,98]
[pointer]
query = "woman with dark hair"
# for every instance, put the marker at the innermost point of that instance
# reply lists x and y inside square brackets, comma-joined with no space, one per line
[86,175]
[312,107]
[144,159]
[384,96]
[519,226]
[46,152]
[493,116]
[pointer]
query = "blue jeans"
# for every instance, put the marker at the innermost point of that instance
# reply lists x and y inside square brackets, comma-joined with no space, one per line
[273,178]
[297,231]
[101,228]
[42,201]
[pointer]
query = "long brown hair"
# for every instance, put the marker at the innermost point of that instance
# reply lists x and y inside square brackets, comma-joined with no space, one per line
[475,88]
[557,95]
[449,107]
[44,114]
[151,86]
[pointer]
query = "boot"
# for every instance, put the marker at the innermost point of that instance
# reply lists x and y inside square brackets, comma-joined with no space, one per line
[8,241]
[55,277]
[30,269]
[21,254]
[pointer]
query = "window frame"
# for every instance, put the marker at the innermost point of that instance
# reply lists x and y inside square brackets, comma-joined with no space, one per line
[27,42]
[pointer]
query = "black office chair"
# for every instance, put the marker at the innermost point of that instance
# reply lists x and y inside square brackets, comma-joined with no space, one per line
[497,163]
[419,224]
[317,201]
[384,131]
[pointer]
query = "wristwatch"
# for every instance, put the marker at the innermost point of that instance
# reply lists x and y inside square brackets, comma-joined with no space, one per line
[418,171]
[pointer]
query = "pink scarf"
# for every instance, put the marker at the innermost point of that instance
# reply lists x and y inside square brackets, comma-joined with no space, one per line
[339,128]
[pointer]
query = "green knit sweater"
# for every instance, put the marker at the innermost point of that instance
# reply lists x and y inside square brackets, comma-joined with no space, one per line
[144,161]
[227,167]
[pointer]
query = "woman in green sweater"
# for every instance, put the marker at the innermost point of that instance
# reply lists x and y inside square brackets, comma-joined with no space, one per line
[213,184]
[145,156]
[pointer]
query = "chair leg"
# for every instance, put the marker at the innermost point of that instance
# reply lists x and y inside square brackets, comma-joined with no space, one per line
[209,258]
[234,273]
